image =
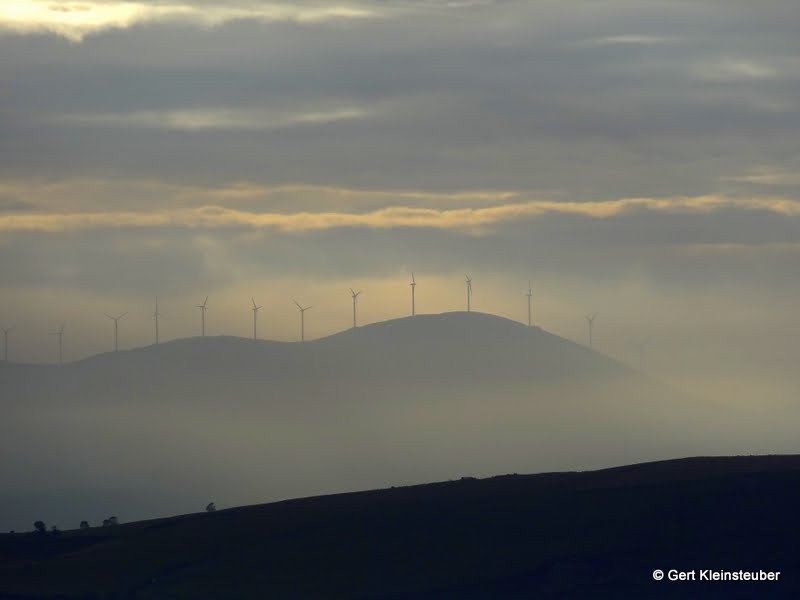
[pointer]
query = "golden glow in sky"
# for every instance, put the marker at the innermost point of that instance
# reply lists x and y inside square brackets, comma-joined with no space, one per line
[75,20]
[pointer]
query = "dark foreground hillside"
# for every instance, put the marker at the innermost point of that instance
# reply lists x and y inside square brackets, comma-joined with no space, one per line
[595,534]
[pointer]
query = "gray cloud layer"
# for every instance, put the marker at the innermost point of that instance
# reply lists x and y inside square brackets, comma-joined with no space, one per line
[218,146]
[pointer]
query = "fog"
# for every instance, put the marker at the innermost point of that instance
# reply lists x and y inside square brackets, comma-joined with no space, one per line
[167,429]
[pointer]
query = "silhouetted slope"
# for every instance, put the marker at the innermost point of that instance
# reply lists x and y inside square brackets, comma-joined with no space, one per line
[458,348]
[474,346]
[593,534]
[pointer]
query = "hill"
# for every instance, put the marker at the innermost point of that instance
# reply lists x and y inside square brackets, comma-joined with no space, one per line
[594,534]
[162,429]
[422,348]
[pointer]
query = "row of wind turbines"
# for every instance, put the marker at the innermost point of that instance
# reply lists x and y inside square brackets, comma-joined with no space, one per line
[204,307]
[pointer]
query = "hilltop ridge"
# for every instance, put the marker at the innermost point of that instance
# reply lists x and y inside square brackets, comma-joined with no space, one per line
[424,350]
[474,334]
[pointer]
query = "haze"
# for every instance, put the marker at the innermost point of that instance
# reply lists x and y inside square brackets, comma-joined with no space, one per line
[634,160]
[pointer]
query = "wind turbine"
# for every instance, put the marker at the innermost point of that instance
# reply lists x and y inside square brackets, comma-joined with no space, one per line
[116,329]
[5,341]
[155,316]
[202,308]
[355,296]
[469,292]
[590,319]
[413,285]
[529,295]
[60,334]
[302,320]
[255,310]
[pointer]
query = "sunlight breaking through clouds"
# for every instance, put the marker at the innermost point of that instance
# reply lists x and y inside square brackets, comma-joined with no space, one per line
[631,40]
[733,70]
[473,220]
[768,176]
[207,119]
[76,20]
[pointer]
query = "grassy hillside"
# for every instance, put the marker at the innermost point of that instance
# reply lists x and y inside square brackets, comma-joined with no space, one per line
[592,534]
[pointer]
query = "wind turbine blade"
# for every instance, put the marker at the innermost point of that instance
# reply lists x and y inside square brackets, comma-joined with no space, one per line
[109,316]
[254,302]
[205,301]
[122,315]
[412,278]
[297,303]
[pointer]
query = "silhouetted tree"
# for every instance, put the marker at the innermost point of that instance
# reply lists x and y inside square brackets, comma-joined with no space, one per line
[84,524]
[211,507]
[40,527]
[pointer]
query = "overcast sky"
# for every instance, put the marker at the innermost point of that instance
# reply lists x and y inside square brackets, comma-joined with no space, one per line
[637,159]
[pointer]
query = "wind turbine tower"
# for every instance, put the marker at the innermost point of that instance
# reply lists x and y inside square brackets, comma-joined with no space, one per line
[116,329]
[529,295]
[413,285]
[155,316]
[5,341]
[60,334]
[355,296]
[202,308]
[469,293]
[255,310]
[590,320]
[302,320]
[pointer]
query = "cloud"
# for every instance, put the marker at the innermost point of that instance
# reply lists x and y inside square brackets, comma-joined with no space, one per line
[12,204]
[76,20]
[631,40]
[769,177]
[734,69]
[476,220]
[209,119]
[88,195]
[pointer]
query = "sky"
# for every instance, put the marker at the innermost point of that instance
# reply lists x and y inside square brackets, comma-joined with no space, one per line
[639,160]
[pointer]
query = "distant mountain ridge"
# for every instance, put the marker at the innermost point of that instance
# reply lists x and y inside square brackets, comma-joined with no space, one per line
[448,337]
[412,399]
[421,352]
